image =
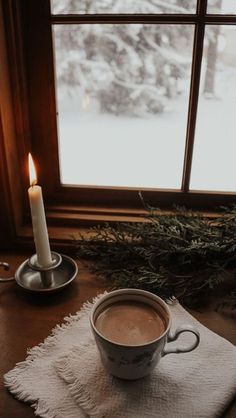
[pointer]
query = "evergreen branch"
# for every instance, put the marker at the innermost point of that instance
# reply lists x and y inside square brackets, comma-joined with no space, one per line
[181,254]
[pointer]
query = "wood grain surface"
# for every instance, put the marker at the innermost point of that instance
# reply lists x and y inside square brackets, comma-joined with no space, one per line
[27,319]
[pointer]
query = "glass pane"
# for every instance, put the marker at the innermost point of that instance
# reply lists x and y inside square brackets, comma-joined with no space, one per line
[221,6]
[122,93]
[215,145]
[122,6]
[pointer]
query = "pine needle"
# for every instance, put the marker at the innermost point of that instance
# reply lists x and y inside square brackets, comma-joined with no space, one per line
[182,255]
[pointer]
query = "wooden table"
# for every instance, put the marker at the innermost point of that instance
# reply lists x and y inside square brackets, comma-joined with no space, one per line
[27,319]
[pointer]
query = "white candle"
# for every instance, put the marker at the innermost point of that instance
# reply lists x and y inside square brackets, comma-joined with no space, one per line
[40,231]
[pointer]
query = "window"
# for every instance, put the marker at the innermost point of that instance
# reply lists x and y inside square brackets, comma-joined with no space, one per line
[116,97]
[122,94]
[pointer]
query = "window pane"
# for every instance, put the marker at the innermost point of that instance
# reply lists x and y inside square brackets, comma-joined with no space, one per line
[122,93]
[215,144]
[221,6]
[122,6]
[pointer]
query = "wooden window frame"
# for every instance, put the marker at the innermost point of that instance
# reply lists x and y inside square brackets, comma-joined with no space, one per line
[28,123]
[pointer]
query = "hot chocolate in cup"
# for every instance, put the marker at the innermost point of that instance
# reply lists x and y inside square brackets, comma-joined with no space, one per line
[131,329]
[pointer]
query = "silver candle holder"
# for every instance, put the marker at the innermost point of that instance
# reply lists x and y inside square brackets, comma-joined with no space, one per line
[30,276]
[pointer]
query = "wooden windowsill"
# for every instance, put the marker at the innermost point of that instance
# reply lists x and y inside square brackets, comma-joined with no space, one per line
[66,225]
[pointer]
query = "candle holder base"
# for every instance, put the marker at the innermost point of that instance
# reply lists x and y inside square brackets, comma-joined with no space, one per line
[36,279]
[56,261]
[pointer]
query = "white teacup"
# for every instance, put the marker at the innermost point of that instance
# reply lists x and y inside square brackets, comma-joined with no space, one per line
[132,328]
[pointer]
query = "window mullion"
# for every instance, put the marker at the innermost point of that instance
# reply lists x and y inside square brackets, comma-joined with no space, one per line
[193,104]
[201,7]
[123,18]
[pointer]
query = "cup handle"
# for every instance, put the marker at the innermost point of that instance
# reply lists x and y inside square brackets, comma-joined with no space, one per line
[182,349]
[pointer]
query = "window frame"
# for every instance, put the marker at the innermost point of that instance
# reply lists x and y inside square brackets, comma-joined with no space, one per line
[28,42]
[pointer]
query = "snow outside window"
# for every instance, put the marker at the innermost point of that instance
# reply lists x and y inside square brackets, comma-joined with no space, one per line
[122,94]
[123,6]
[215,145]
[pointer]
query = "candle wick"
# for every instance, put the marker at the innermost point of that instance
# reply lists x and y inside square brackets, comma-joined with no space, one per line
[33,183]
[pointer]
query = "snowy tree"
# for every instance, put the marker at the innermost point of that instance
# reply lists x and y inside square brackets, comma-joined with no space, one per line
[211,58]
[130,69]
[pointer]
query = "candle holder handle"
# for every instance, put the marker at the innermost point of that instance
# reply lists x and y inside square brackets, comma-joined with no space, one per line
[6,267]
[33,278]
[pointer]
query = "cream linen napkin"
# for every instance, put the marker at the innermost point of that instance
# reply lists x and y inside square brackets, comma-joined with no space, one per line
[192,385]
[63,377]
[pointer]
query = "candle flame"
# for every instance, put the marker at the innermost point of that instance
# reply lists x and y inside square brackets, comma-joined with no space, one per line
[32,171]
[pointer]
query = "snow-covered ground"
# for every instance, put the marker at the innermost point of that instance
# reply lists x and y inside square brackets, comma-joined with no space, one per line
[106,150]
